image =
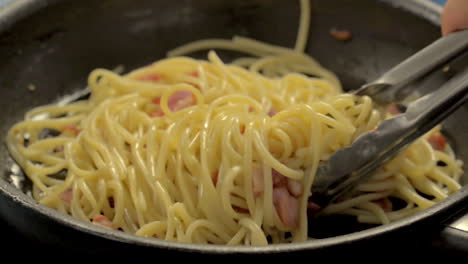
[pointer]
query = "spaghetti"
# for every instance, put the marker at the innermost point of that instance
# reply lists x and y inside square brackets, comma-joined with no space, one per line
[201,151]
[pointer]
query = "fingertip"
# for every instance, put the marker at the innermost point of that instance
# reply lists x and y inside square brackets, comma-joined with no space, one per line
[445,19]
[455,16]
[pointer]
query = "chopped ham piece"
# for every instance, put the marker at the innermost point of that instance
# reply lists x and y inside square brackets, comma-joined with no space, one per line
[385,204]
[102,220]
[438,141]
[393,110]
[278,179]
[286,193]
[287,207]
[193,74]
[158,113]
[70,130]
[257,181]
[67,195]
[341,35]
[180,100]
[272,112]
[150,77]
[177,101]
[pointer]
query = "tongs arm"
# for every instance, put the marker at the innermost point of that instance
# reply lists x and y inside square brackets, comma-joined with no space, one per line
[387,88]
[338,176]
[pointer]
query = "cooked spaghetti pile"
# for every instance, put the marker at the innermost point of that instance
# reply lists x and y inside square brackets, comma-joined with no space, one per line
[200,151]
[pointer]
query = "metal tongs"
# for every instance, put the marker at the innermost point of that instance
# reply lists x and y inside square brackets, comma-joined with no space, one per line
[350,166]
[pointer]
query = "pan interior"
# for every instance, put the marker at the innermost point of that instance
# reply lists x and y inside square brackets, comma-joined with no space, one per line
[56,48]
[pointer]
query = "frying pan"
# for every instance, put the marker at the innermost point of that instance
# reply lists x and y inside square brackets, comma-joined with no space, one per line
[54,44]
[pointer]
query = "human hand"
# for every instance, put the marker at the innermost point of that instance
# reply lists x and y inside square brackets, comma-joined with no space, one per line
[455,16]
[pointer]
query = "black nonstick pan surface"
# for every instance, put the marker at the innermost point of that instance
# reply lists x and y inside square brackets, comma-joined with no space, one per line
[54,45]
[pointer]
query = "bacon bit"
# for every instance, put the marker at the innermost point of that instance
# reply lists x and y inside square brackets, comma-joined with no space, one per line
[385,204]
[70,130]
[279,180]
[393,110]
[67,195]
[287,207]
[294,188]
[150,77]
[102,220]
[214,177]
[158,113]
[437,141]
[272,112]
[341,35]
[180,100]
[242,128]
[257,181]
[156,236]
[194,74]
[156,101]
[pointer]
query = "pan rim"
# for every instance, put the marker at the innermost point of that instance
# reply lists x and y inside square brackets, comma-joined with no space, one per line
[17,10]
[68,221]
